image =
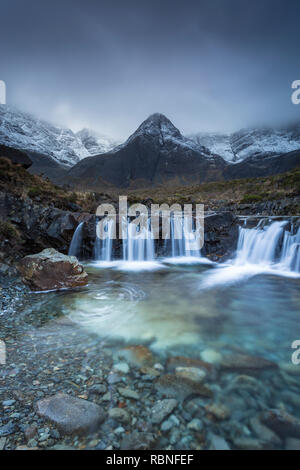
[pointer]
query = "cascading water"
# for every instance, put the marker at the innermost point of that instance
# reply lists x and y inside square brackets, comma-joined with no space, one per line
[139,245]
[182,238]
[103,247]
[269,245]
[76,243]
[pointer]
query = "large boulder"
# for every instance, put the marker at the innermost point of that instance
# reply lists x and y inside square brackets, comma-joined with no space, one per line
[51,270]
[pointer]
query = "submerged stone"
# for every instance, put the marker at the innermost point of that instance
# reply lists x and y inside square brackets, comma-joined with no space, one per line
[281,422]
[243,362]
[162,409]
[192,373]
[119,414]
[181,388]
[182,361]
[138,441]
[71,414]
[138,356]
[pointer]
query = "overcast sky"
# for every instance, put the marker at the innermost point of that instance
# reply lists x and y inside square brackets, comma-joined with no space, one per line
[216,65]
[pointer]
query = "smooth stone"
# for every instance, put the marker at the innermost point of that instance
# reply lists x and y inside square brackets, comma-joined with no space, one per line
[192,373]
[281,422]
[243,362]
[211,356]
[219,411]
[181,388]
[162,409]
[169,423]
[218,443]
[128,393]
[263,433]
[248,443]
[122,367]
[71,414]
[137,355]
[119,414]
[195,425]
[7,429]
[98,388]
[8,402]
[138,441]
[182,361]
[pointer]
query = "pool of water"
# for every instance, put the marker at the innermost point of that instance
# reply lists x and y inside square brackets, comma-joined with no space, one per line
[195,309]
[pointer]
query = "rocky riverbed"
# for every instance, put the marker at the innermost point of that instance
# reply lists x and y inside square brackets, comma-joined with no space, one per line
[128,396]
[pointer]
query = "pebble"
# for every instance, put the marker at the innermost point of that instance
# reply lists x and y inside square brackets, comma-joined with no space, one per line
[162,409]
[122,367]
[119,414]
[128,393]
[195,425]
[211,356]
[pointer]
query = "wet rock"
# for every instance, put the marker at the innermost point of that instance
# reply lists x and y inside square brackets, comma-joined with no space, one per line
[150,372]
[182,361]
[181,388]
[98,389]
[162,409]
[122,367]
[7,429]
[128,393]
[211,356]
[195,425]
[119,414]
[2,443]
[218,411]
[169,423]
[70,414]
[218,443]
[245,363]
[265,434]
[292,444]
[138,356]
[30,432]
[138,441]
[248,443]
[51,270]
[192,373]
[281,422]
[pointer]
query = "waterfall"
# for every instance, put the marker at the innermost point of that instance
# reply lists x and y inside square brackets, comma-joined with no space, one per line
[76,243]
[268,245]
[103,247]
[139,245]
[181,238]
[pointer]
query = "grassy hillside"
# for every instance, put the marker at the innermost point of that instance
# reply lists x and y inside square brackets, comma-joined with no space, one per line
[281,186]
[16,180]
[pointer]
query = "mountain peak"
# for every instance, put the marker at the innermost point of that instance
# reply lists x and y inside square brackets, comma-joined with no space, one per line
[157,125]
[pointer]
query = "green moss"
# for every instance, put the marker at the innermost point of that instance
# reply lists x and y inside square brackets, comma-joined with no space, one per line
[8,230]
[251,198]
[34,191]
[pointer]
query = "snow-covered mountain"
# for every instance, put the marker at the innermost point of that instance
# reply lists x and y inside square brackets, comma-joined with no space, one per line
[96,143]
[216,143]
[24,131]
[156,153]
[260,142]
